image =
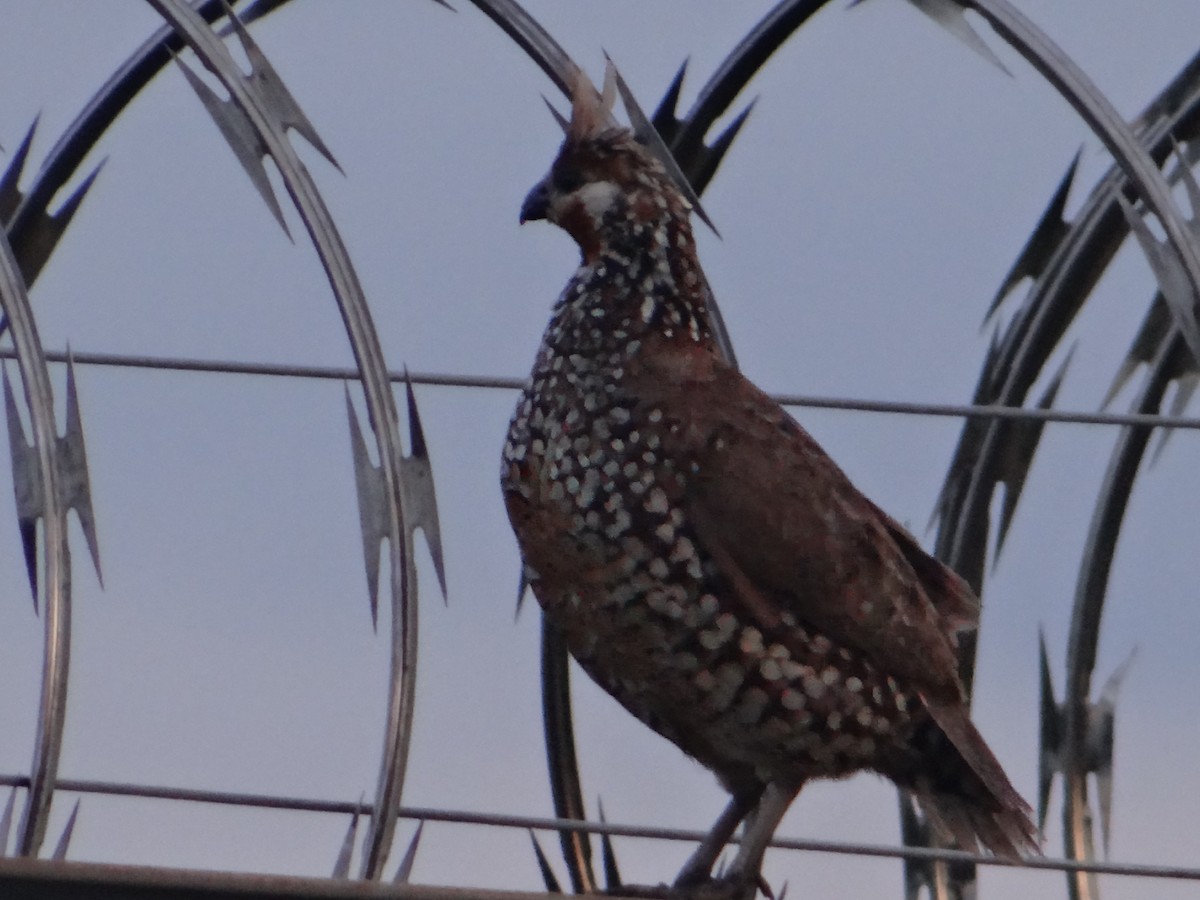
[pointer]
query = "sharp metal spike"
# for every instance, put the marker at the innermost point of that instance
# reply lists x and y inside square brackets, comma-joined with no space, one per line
[1104,787]
[1184,172]
[242,138]
[612,874]
[74,482]
[1108,693]
[1103,740]
[992,372]
[341,867]
[783,891]
[1185,388]
[1047,235]
[1020,450]
[522,588]
[6,821]
[551,882]
[27,485]
[27,529]
[1144,347]
[1172,280]
[10,194]
[725,139]
[646,133]
[1050,738]
[711,157]
[915,832]
[1185,131]
[371,507]
[696,161]
[276,93]
[404,872]
[420,500]
[38,241]
[416,434]
[949,15]
[562,761]
[64,842]
[1100,718]
[666,116]
[558,117]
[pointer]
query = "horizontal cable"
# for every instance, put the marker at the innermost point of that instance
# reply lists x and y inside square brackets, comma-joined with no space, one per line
[505,820]
[899,407]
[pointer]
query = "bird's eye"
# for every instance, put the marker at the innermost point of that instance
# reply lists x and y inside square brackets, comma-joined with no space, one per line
[567,181]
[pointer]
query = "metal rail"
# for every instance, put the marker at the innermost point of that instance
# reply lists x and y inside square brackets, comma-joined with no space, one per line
[31,879]
[810,401]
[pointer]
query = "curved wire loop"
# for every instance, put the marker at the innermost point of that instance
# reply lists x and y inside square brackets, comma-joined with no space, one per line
[1066,262]
[254,121]
[39,478]
[31,235]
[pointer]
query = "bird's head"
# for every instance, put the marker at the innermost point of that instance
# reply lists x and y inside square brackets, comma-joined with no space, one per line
[604,188]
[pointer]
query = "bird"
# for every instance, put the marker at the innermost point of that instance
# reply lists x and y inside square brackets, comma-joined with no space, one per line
[705,560]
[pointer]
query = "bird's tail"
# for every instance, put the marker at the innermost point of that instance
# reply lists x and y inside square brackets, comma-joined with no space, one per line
[966,794]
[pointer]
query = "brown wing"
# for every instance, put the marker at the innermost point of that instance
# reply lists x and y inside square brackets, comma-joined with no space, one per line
[950,594]
[785,523]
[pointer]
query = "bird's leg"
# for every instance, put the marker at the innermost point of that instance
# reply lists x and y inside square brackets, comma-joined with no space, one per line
[699,865]
[760,828]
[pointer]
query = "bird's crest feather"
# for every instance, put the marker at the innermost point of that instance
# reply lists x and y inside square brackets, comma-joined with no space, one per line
[592,110]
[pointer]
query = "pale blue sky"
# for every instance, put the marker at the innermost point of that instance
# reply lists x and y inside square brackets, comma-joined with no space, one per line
[878,194]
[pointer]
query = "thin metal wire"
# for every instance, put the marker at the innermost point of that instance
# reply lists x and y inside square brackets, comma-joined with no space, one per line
[506,820]
[895,407]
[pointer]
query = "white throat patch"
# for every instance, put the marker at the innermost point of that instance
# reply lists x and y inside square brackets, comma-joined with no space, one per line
[597,198]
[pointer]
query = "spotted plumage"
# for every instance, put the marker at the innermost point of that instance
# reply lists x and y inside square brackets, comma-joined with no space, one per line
[708,564]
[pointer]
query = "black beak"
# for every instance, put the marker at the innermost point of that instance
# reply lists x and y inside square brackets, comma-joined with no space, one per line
[537,203]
